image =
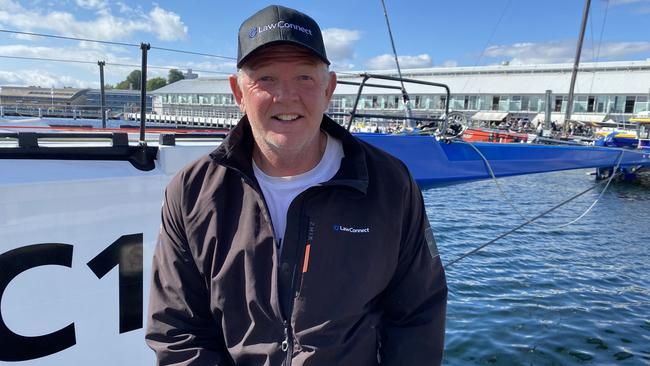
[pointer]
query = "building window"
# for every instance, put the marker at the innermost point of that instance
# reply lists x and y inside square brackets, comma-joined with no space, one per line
[515,103]
[558,104]
[504,103]
[580,104]
[629,104]
[641,104]
[525,102]
[601,101]
[495,103]
[591,101]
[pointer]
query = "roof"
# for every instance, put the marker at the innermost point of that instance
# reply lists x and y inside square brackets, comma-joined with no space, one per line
[38,92]
[196,86]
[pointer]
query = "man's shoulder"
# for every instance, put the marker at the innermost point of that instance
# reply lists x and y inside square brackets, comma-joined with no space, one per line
[193,176]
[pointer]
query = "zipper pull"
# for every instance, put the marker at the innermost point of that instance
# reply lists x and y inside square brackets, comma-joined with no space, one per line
[285,342]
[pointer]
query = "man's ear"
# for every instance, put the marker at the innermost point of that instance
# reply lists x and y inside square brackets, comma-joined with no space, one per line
[237,92]
[331,85]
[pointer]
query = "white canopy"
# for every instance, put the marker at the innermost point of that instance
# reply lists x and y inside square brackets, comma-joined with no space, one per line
[558,117]
[490,116]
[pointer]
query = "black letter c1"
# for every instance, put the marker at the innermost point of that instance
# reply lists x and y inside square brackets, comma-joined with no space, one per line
[15,347]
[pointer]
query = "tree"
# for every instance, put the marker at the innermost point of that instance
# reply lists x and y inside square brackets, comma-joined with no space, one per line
[134,79]
[155,83]
[124,85]
[174,76]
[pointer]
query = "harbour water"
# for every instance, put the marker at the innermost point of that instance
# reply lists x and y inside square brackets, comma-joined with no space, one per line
[546,295]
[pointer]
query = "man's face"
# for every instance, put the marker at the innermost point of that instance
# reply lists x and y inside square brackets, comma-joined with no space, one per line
[284,90]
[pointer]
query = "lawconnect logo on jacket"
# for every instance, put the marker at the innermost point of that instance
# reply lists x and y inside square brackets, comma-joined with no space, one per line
[353,230]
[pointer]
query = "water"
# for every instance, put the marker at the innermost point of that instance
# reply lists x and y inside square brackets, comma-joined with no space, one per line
[543,295]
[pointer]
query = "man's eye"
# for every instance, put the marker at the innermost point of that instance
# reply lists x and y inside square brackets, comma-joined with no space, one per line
[305,77]
[265,78]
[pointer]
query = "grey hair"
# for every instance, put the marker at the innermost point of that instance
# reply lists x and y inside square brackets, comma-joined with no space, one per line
[240,73]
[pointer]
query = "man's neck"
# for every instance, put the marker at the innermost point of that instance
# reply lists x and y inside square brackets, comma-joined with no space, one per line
[289,163]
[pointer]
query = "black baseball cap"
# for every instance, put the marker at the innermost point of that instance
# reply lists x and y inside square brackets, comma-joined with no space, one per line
[277,24]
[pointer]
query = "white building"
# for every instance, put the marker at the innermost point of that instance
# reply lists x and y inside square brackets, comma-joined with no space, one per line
[615,90]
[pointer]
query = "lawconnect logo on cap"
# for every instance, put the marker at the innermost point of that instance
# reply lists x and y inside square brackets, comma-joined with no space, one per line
[254,31]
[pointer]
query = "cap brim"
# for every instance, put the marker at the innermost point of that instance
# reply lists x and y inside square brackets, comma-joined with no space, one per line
[280,42]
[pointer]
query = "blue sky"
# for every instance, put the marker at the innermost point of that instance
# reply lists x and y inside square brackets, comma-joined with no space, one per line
[428,33]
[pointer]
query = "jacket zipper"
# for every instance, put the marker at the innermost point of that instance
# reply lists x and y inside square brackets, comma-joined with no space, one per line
[287,344]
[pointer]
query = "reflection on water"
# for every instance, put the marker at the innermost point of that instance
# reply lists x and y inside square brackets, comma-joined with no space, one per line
[546,295]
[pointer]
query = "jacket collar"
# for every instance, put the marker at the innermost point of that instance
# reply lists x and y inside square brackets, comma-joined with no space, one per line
[236,152]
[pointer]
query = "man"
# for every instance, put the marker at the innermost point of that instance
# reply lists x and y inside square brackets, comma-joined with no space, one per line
[294,243]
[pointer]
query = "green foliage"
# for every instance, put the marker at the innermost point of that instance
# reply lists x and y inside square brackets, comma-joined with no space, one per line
[124,85]
[174,76]
[155,83]
[134,79]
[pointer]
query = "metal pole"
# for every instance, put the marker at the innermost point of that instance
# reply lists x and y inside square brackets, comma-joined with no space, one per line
[101,92]
[547,110]
[576,62]
[143,91]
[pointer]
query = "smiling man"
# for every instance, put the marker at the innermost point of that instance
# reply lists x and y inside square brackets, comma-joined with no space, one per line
[294,243]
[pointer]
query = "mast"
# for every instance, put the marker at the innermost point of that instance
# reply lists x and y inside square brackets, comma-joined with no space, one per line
[576,62]
[408,122]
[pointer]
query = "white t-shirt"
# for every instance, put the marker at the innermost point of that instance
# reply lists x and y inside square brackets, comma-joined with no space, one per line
[279,192]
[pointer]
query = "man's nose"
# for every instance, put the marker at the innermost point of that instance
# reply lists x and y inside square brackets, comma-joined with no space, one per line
[285,91]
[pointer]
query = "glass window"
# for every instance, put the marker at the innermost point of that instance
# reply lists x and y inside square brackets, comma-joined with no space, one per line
[495,103]
[457,102]
[504,103]
[473,102]
[601,102]
[619,104]
[580,104]
[641,104]
[515,103]
[525,102]
[629,104]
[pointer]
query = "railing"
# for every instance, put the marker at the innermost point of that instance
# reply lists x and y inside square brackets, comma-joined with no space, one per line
[365,77]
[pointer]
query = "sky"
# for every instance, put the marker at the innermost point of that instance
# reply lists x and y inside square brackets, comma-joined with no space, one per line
[427,33]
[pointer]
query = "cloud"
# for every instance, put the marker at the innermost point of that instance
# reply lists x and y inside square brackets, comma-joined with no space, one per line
[450,63]
[91,4]
[387,61]
[563,52]
[625,2]
[339,43]
[166,25]
[77,53]
[37,77]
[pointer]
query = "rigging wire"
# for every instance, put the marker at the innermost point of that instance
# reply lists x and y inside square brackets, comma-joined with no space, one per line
[494,30]
[467,254]
[600,42]
[70,38]
[512,205]
[107,63]
[614,171]
[114,43]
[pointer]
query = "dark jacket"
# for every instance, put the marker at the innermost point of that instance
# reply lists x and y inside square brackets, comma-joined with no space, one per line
[355,283]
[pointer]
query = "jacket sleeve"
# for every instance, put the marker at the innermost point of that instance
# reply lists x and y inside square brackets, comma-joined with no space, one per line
[413,325]
[181,329]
